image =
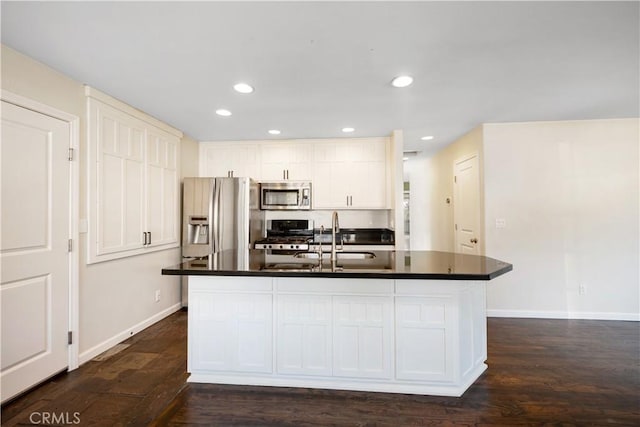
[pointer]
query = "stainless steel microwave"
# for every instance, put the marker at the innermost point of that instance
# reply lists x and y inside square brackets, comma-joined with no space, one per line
[285,195]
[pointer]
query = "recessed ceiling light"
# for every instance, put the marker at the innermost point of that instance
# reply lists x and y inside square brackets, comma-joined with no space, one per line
[427,138]
[223,112]
[274,132]
[243,88]
[402,81]
[347,130]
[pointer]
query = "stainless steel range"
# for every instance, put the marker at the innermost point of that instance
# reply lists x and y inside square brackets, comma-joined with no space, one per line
[286,235]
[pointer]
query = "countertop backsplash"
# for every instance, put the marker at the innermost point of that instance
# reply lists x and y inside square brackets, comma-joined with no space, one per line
[348,218]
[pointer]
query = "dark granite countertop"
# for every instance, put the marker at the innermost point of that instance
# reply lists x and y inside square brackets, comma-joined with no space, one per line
[380,264]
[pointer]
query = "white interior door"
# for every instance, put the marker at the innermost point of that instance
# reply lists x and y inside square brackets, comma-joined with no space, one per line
[466,203]
[34,288]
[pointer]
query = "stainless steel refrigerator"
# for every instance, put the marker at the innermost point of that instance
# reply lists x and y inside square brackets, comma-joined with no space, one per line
[219,214]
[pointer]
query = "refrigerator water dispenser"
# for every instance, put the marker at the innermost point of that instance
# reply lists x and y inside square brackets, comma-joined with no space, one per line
[198,230]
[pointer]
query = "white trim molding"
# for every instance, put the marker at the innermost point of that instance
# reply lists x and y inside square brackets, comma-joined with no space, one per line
[100,96]
[127,333]
[570,315]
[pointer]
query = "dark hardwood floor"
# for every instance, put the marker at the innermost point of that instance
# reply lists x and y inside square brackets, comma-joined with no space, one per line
[541,372]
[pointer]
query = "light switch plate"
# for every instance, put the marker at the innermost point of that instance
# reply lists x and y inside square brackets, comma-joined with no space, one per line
[501,223]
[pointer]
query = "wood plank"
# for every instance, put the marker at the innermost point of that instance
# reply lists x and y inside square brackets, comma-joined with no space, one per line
[561,372]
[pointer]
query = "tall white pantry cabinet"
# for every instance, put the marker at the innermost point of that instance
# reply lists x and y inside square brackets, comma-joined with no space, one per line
[134,180]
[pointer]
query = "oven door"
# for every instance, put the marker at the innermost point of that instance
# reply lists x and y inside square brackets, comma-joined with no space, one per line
[285,196]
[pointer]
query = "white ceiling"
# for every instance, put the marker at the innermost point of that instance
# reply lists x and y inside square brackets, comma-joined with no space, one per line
[318,67]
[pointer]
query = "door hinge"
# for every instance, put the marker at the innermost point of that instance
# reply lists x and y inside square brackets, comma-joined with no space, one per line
[69,337]
[70,154]
[456,225]
[70,245]
[455,179]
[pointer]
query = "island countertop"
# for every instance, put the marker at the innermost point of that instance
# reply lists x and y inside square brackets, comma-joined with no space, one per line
[430,265]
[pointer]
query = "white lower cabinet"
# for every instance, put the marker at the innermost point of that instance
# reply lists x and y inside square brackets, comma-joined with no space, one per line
[362,328]
[230,332]
[424,338]
[304,335]
[405,336]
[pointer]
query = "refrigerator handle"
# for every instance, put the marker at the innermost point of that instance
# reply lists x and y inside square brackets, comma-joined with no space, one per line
[216,229]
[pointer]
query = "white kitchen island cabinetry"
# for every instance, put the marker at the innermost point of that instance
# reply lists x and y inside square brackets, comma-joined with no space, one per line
[134,204]
[370,334]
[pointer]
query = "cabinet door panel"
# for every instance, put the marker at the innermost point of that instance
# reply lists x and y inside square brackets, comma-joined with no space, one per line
[231,332]
[162,188]
[254,349]
[368,183]
[299,166]
[120,181]
[424,339]
[217,160]
[362,328]
[275,159]
[369,193]
[304,335]
[331,175]
[350,174]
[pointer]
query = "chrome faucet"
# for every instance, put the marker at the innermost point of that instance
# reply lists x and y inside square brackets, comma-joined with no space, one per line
[320,247]
[335,228]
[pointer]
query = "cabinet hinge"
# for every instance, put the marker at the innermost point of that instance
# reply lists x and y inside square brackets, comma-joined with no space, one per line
[70,245]
[69,337]
[456,225]
[70,154]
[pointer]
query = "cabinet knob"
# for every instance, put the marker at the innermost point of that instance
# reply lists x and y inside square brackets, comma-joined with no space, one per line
[474,240]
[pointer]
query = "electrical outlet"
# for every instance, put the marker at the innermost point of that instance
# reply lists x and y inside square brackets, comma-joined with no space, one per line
[582,289]
[158,295]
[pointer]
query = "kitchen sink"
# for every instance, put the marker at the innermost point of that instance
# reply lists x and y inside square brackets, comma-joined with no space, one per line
[288,267]
[339,255]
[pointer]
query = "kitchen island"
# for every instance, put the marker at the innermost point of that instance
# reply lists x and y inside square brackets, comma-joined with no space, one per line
[388,321]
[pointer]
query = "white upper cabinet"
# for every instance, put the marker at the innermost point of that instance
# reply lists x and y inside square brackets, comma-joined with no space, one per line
[134,181]
[350,174]
[286,161]
[229,159]
[162,191]
[345,173]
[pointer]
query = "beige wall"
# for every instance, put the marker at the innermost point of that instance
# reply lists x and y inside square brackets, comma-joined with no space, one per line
[569,194]
[116,297]
[189,154]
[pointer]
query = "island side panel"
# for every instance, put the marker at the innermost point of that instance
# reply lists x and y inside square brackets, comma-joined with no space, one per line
[230,324]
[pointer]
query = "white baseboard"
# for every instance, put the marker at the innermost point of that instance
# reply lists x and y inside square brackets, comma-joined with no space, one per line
[528,314]
[118,338]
